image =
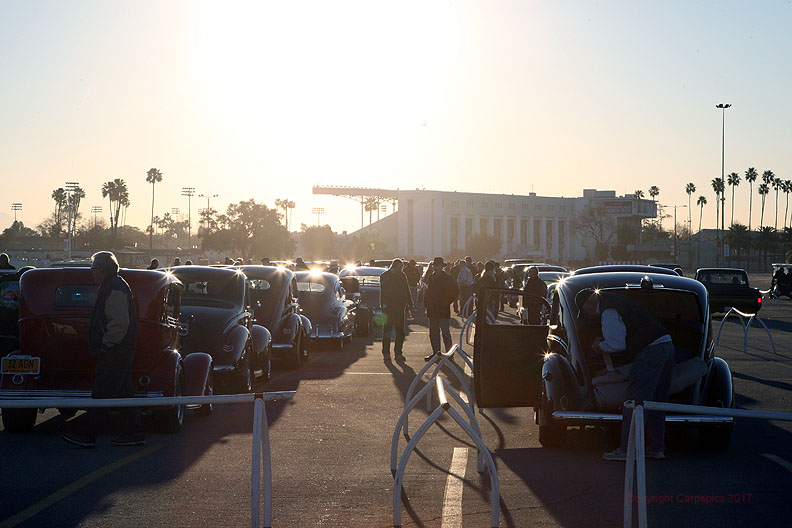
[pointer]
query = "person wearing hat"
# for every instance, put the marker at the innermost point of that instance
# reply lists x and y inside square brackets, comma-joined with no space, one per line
[395,298]
[537,287]
[440,293]
[629,327]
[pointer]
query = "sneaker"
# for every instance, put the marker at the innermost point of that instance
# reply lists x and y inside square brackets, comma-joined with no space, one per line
[618,454]
[80,440]
[129,439]
[655,455]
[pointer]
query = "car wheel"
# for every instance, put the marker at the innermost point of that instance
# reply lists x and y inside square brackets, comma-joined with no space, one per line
[244,374]
[363,326]
[295,356]
[171,420]
[206,410]
[19,420]
[553,434]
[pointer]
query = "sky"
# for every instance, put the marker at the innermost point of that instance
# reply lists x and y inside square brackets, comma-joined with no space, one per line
[263,100]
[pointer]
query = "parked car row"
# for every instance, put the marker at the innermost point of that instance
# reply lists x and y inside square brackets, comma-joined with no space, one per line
[201,329]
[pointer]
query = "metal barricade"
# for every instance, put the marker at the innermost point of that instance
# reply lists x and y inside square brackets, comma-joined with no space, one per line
[261,463]
[635,470]
[485,461]
[746,326]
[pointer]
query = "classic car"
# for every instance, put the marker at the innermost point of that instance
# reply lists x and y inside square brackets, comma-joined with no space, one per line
[9,309]
[369,279]
[613,268]
[273,295]
[216,307]
[325,302]
[53,360]
[550,367]
[729,287]
[550,279]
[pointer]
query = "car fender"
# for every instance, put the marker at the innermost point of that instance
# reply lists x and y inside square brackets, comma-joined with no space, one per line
[233,346]
[196,367]
[162,375]
[261,339]
[306,326]
[559,390]
[287,331]
[719,386]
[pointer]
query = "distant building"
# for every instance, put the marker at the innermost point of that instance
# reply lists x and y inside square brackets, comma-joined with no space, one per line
[429,223]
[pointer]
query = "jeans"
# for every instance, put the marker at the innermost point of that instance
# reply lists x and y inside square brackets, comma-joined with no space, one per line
[436,325]
[650,380]
[113,380]
[393,321]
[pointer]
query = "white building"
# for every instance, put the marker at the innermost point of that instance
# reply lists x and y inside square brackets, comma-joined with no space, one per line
[430,223]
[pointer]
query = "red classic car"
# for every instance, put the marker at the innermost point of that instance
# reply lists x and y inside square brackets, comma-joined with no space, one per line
[53,361]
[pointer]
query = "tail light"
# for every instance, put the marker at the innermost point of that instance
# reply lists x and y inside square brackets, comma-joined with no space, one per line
[759,300]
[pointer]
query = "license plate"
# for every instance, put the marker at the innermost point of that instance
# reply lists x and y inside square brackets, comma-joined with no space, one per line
[20,365]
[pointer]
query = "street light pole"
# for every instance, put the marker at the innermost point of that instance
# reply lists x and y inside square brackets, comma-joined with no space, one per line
[96,209]
[208,197]
[16,206]
[723,107]
[189,192]
[70,188]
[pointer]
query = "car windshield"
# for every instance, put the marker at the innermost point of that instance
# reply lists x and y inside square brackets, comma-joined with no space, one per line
[220,292]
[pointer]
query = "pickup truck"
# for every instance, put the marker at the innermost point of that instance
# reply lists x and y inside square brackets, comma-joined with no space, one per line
[729,287]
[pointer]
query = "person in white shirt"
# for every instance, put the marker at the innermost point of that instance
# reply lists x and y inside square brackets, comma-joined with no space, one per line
[465,283]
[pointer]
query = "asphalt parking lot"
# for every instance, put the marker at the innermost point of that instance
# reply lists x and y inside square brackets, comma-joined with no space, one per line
[331,445]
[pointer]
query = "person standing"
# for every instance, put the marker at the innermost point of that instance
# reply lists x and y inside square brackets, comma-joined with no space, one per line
[465,283]
[537,287]
[395,298]
[300,265]
[112,337]
[154,264]
[629,327]
[487,279]
[5,262]
[413,273]
[440,293]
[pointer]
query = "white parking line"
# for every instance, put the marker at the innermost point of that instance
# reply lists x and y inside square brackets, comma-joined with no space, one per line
[452,499]
[778,460]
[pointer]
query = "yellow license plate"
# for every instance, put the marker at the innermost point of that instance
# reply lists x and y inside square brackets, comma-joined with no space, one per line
[20,365]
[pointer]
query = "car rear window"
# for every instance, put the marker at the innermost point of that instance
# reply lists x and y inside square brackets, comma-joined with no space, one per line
[75,295]
[724,277]
[310,287]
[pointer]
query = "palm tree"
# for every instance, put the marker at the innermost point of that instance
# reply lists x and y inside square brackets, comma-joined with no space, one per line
[117,193]
[152,176]
[733,180]
[639,194]
[74,206]
[371,206]
[787,188]
[763,190]
[776,183]
[717,186]
[701,202]
[750,177]
[59,195]
[737,238]
[767,239]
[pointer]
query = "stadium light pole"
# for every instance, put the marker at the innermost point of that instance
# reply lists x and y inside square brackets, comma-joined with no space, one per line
[208,197]
[96,209]
[723,107]
[318,211]
[676,246]
[189,192]
[16,206]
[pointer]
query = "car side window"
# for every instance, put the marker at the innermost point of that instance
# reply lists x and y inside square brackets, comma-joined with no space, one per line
[555,312]
[173,302]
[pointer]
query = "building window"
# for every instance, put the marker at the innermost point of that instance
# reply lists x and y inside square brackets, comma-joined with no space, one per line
[497,226]
[525,206]
[511,206]
[484,205]
[483,226]
[455,203]
[510,230]
[498,205]
[537,233]
[454,228]
[538,207]
[523,232]
[470,205]
[468,229]
[561,237]
[550,233]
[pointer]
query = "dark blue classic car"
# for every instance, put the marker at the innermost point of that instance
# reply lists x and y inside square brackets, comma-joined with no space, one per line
[325,302]
[216,306]
[275,305]
[551,368]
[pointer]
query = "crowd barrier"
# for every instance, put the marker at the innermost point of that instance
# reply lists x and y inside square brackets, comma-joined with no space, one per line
[746,326]
[261,463]
[635,470]
[441,387]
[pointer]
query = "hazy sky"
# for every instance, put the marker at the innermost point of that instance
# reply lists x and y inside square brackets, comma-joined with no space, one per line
[265,99]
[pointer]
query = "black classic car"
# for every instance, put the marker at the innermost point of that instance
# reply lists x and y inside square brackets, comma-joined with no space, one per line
[274,298]
[368,278]
[551,367]
[326,303]
[216,306]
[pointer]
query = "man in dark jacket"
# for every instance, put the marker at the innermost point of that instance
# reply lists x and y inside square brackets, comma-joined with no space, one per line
[5,262]
[112,338]
[536,286]
[440,293]
[629,327]
[395,298]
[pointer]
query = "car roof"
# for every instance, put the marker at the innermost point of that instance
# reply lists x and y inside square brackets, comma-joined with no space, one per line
[634,268]
[616,279]
[715,270]
[257,271]
[362,271]
[312,276]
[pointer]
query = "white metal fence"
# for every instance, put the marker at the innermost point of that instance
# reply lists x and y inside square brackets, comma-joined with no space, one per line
[746,326]
[635,470]
[261,463]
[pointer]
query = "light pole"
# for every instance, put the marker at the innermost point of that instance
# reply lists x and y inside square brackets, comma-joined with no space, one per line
[16,206]
[676,246]
[189,192]
[723,107]
[70,188]
[208,197]
[96,209]
[318,211]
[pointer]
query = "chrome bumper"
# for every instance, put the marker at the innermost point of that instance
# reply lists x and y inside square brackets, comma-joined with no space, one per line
[588,418]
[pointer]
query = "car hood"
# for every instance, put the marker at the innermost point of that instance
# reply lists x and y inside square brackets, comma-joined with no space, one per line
[206,332]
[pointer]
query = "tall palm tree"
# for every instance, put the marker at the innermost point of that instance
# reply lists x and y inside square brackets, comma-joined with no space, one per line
[59,195]
[733,180]
[750,177]
[717,186]
[371,206]
[109,192]
[786,186]
[117,193]
[74,206]
[701,202]
[776,183]
[763,190]
[152,176]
